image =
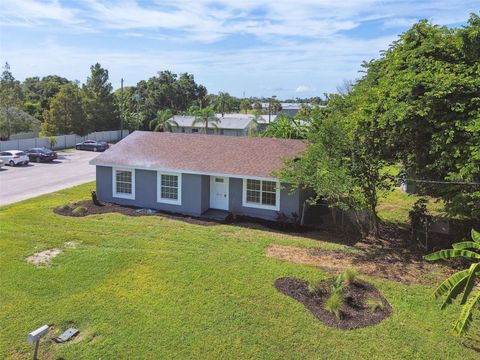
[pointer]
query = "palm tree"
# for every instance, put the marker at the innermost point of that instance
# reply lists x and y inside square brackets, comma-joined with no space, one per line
[245,105]
[163,121]
[462,281]
[253,126]
[223,102]
[205,116]
[275,106]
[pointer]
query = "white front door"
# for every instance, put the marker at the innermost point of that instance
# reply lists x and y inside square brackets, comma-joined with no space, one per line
[219,192]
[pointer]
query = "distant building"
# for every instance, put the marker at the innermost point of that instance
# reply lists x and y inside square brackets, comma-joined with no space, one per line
[228,124]
[290,109]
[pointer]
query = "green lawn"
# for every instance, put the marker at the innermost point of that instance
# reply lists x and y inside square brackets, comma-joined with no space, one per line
[152,288]
[396,204]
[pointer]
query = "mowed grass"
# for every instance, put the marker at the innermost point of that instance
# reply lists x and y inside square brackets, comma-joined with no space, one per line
[157,288]
[395,205]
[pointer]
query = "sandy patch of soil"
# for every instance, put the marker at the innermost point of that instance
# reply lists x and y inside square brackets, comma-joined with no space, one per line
[43,258]
[382,265]
[355,312]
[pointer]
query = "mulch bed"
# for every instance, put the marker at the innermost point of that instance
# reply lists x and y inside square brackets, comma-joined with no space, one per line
[355,314]
[92,209]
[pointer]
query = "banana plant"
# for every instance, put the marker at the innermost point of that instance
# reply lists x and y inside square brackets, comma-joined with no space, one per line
[465,281]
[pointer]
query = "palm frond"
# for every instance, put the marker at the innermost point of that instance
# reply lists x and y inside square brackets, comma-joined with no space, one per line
[451,253]
[466,245]
[476,236]
[465,319]
[473,273]
[449,283]
[454,292]
[152,124]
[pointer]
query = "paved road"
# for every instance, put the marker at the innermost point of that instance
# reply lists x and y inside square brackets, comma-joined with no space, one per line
[23,182]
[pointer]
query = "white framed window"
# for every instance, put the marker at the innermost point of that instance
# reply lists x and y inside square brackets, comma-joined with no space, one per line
[262,194]
[123,183]
[169,188]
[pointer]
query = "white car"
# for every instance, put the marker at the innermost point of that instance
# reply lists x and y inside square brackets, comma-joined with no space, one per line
[1,163]
[14,157]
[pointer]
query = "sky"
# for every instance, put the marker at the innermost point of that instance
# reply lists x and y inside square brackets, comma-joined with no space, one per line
[287,48]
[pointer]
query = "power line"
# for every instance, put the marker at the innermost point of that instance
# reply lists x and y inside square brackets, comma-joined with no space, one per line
[442,182]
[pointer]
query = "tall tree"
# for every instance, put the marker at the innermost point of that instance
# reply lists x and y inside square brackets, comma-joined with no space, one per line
[100,106]
[11,102]
[245,105]
[274,106]
[206,117]
[223,103]
[163,122]
[66,114]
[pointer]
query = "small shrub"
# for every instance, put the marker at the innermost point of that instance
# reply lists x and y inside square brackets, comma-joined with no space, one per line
[374,304]
[334,303]
[80,210]
[65,207]
[345,279]
[349,276]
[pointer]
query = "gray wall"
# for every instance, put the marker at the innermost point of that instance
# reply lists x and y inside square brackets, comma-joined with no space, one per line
[289,203]
[146,191]
[62,141]
[195,195]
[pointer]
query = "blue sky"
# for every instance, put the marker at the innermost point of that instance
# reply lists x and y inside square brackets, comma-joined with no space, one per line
[286,48]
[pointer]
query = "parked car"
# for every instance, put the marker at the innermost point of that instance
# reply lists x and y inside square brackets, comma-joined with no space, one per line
[1,163]
[14,157]
[41,154]
[92,145]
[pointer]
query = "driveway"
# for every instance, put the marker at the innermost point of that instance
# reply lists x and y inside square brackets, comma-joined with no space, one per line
[23,182]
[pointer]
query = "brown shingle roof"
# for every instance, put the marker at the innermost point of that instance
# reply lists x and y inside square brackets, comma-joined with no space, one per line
[209,154]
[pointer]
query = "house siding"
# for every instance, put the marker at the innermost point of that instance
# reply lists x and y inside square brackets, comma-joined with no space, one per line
[146,191]
[289,203]
[195,195]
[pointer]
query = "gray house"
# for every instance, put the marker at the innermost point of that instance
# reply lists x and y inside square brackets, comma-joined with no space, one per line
[228,124]
[191,174]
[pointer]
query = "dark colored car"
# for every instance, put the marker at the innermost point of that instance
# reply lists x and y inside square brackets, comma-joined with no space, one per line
[41,154]
[92,145]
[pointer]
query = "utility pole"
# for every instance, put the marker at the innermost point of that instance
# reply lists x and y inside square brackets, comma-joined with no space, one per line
[121,109]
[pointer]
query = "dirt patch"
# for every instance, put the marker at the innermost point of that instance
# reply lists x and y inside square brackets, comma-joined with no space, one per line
[383,265]
[355,311]
[43,258]
[70,244]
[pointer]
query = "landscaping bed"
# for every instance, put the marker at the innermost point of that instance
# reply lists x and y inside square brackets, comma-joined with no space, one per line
[355,312]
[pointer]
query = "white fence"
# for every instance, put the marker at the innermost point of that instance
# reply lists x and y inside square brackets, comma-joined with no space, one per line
[63,141]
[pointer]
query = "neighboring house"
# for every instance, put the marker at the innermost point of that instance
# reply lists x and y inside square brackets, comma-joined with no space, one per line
[190,174]
[290,109]
[228,124]
[33,123]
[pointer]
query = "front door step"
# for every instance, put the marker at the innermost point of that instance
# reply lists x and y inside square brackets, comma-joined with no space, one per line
[216,214]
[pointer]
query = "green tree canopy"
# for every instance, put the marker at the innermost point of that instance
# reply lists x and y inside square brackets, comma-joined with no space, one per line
[100,106]
[66,114]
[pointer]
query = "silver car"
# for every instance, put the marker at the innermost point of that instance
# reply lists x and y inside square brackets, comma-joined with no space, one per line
[14,157]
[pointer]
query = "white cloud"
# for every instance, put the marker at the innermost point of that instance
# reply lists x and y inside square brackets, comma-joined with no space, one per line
[302,88]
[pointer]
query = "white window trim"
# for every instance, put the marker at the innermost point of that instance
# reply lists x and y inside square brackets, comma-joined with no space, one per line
[159,185]
[261,206]
[114,183]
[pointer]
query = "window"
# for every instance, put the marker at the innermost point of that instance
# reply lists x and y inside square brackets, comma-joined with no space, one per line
[263,194]
[219,180]
[169,188]
[124,183]
[194,130]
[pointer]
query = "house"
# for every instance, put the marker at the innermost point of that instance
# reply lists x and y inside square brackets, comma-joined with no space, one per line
[31,124]
[190,174]
[228,124]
